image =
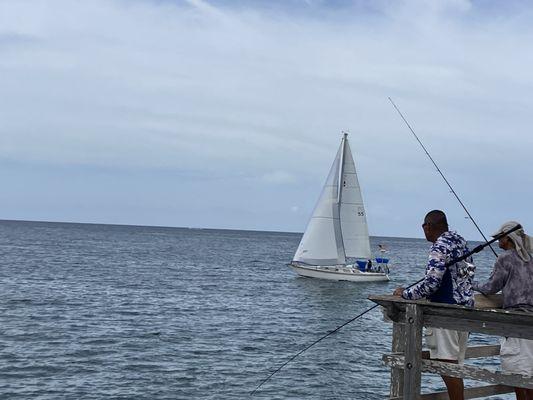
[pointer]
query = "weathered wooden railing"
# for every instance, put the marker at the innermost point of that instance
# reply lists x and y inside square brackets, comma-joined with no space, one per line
[408,361]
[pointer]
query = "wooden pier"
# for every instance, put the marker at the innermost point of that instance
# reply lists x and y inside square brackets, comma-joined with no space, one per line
[408,361]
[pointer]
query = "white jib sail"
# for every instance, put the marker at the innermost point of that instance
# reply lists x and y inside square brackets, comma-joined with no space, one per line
[352,211]
[321,243]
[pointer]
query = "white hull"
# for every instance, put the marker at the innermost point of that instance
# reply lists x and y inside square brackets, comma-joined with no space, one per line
[339,273]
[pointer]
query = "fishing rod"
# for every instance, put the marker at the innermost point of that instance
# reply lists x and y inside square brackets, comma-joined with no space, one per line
[477,249]
[441,174]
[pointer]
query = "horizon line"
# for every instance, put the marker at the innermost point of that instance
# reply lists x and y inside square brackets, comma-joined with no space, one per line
[175,227]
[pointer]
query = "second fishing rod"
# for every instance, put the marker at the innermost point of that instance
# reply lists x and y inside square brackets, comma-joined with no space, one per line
[464,257]
[470,217]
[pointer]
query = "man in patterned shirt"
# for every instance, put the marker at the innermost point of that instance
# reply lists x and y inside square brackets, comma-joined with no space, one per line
[452,285]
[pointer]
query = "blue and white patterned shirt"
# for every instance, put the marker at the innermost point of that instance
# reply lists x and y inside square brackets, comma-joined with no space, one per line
[452,285]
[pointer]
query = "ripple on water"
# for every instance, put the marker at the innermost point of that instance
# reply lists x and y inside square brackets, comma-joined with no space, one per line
[95,312]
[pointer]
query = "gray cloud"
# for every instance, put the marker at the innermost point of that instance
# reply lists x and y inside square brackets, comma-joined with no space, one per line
[254,99]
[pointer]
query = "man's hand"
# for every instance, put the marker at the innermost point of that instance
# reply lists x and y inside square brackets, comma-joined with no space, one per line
[398,291]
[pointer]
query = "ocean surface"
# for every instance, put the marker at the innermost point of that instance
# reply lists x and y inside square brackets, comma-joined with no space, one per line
[126,312]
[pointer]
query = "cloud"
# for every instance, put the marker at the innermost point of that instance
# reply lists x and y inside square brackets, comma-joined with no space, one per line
[278,177]
[219,88]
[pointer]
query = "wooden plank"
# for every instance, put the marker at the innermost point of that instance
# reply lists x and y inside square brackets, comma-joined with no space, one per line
[413,349]
[398,346]
[482,351]
[396,301]
[489,315]
[488,301]
[489,321]
[508,328]
[463,371]
[470,393]
[473,351]
[474,325]
[390,313]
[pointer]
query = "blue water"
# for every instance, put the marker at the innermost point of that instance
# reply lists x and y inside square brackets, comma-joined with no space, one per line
[121,312]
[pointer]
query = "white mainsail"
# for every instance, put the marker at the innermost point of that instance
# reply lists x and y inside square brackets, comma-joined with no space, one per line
[352,210]
[338,227]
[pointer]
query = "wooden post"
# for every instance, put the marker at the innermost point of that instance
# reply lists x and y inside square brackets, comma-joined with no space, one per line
[413,352]
[398,346]
[407,345]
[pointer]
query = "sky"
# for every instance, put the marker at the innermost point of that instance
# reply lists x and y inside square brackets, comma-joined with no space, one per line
[228,114]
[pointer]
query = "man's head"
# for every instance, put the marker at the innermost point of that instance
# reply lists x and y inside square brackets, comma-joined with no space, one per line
[435,224]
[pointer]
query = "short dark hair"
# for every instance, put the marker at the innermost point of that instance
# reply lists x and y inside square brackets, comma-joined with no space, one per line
[436,218]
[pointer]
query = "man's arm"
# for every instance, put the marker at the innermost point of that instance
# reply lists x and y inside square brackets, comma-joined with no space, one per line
[432,280]
[496,281]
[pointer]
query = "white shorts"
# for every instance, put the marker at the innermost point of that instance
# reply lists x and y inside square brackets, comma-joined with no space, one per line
[446,344]
[516,355]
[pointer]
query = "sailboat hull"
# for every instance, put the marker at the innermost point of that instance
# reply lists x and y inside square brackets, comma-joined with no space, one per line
[336,273]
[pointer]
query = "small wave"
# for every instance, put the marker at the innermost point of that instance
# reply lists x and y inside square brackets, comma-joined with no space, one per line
[250,348]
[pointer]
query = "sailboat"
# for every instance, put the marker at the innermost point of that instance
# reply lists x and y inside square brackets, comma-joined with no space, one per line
[336,244]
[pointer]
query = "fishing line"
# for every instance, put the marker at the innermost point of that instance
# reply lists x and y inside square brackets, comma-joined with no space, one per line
[309,346]
[441,174]
[463,257]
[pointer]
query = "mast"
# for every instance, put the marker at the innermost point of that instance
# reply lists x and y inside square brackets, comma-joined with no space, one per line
[340,186]
[341,169]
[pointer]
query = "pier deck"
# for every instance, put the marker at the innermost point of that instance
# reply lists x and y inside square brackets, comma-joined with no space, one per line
[408,361]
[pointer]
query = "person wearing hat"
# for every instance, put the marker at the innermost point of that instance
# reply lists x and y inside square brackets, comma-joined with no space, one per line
[513,275]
